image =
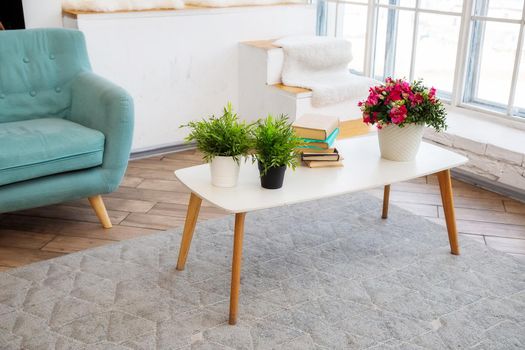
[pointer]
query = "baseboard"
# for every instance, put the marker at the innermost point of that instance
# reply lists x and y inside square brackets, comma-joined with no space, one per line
[497,187]
[162,150]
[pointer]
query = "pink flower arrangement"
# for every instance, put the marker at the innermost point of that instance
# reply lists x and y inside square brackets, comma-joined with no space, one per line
[399,102]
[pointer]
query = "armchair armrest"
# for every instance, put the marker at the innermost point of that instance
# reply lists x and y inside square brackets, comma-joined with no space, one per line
[101,105]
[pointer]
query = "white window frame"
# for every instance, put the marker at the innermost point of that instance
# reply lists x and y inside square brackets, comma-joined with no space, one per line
[463,52]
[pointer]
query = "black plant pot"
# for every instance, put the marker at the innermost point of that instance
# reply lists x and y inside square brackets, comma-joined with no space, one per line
[274,177]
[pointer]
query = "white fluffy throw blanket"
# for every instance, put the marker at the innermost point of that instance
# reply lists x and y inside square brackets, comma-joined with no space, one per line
[321,65]
[231,3]
[120,5]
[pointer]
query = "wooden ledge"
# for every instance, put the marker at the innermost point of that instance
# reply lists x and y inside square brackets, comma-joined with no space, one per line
[262,44]
[292,89]
[75,13]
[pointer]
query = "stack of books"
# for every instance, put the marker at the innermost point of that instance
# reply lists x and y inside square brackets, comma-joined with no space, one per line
[318,134]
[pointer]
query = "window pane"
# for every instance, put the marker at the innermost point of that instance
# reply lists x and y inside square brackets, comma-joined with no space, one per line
[354,30]
[442,5]
[499,8]
[404,3]
[380,43]
[495,62]
[405,32]
[519,99]
[394,43]
[438,37]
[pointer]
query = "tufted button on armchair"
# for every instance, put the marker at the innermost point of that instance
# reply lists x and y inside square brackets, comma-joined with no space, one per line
[65,133]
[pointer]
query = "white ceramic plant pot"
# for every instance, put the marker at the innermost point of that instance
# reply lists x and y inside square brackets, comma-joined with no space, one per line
[400,144]
[224,171]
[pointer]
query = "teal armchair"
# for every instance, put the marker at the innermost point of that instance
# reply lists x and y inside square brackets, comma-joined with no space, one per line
[65,133]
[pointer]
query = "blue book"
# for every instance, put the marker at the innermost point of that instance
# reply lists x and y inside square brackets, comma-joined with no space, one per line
[320,144]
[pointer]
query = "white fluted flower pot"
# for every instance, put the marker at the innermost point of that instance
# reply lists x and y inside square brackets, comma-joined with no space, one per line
[224,171]
[400,144]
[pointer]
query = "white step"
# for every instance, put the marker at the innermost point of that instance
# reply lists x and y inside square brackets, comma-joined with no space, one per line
[261,90]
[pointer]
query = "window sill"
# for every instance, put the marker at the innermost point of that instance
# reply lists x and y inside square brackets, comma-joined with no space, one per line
[493,145]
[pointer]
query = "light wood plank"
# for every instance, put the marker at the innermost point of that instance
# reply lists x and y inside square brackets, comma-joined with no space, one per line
[66,244]
[131,181]
[460,190]
[24,239]
[163,185]
[164,164]
[119,204]
[512,206]
[13,257]
[191,154]
[70,228]
[158,222]
[430,211]
[435,199]
[486,228]
[169,209]
[478,238]
[152,195]
[72,213]
[508,245]
[488,216]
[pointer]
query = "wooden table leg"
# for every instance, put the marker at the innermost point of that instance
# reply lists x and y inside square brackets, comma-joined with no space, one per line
[445,185]
[189,227]
[386,199]
[236,266]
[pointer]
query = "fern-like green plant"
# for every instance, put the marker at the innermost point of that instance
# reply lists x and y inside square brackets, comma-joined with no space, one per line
[223,136]
[275,143]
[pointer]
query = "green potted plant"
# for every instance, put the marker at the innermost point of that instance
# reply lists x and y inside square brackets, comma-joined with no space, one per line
[401,110]
[223,141]
[275,150]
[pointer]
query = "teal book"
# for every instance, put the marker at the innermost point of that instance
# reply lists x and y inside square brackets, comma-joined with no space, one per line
[320,144]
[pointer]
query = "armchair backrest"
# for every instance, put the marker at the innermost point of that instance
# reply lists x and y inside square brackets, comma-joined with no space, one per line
[37,67]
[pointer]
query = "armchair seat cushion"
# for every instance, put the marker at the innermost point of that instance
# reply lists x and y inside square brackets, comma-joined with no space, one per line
[39,147]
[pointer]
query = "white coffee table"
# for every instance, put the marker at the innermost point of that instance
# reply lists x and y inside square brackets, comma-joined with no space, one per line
[364,169]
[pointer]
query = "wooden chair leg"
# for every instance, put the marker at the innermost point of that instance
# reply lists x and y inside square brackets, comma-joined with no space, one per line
[100,209]
[192,215]
[445,186]
[386,199]
[236,267]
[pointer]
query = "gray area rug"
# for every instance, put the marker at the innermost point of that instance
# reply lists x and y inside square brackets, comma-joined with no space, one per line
[328,274]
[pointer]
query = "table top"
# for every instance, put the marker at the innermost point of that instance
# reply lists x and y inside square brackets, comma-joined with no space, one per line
[363,169]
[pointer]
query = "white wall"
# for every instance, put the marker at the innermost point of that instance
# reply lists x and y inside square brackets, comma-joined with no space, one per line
[181,65]
[42,13]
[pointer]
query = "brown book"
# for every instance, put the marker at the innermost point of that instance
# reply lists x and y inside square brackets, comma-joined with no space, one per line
[315,126]
[322,156]
[323,164]
[316,151]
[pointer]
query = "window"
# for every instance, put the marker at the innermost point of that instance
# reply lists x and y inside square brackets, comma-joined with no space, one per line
[472,51]
[493,68]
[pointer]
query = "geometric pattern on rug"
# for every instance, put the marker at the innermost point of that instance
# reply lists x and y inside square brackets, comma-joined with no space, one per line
[327,274]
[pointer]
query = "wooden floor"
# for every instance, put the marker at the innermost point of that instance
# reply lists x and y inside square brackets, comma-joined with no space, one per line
[151,199]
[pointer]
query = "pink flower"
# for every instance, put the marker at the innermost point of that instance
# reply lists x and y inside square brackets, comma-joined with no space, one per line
[395,95]
[417,99]
[432,92]
[366,118]
[398,114]
[373,98]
